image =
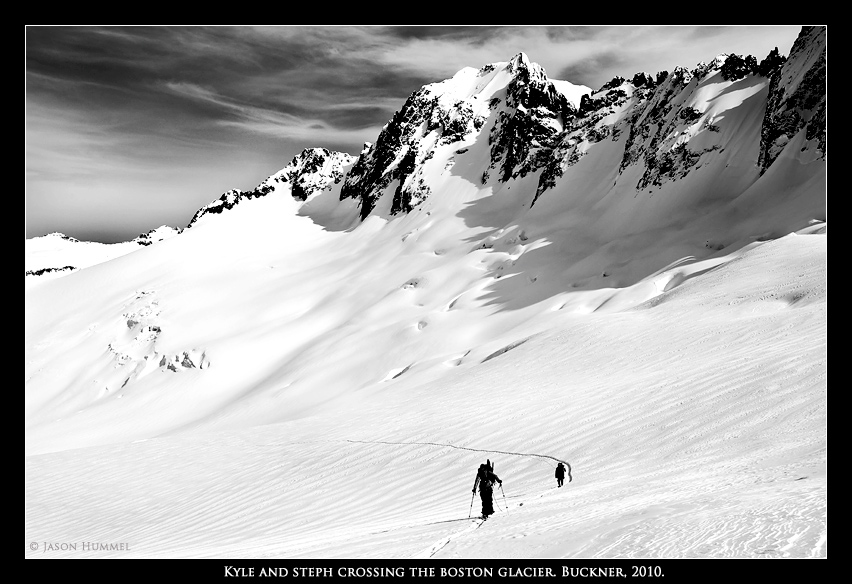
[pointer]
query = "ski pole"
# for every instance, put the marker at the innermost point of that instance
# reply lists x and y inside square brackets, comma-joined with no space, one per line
[504,498]
[471,504]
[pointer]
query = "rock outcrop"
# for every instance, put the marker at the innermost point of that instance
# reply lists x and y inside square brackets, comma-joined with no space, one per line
[311,171]
[429,118]
[797,94]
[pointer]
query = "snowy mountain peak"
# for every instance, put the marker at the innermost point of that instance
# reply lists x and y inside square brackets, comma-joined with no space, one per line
[311,171]
[159,234]
[522,107]
[512,124]
[519,61]
[526,124]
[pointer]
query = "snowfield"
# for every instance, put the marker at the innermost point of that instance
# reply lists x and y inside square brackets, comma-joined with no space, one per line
[283,380]
[695,427]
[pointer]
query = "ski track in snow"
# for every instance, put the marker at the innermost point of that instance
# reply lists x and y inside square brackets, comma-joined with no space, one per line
[442,543]
[568,469]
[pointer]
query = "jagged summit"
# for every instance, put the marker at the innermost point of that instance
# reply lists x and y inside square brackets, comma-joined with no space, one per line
[518,61]
[526,72]
[526,109]
[513,101]
[513,128]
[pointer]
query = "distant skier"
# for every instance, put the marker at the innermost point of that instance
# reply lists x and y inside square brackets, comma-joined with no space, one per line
[560,474]
[485,479]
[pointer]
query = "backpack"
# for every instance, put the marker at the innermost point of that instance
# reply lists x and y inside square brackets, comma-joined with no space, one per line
[486,479]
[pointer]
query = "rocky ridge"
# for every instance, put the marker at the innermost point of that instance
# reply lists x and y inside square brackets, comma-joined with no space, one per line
[527,116]
[311,171]
[428,118]
[532,127]
[797,95]
[158,234]
[534,116]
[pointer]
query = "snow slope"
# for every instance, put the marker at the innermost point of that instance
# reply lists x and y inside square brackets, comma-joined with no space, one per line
[240,386]
[56,254]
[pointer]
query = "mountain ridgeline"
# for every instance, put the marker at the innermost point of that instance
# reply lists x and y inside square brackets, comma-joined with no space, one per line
[532,127]
[489,206]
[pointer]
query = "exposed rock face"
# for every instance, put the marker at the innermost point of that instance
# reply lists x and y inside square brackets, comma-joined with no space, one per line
[49,270]
[61,236]
[773,61]
[428,118]
[659,127]
[586,128]
[136,351]
[797,93]
[527,121]
[737,67]
[526,129]
[652,118]
[311,171]
[227,201]
[642,80]
[535,128]
[155,235]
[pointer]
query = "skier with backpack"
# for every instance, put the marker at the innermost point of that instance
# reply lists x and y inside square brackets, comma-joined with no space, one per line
[485,479]
[560,474]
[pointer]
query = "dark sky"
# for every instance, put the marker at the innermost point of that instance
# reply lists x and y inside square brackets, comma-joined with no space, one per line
[130,128]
